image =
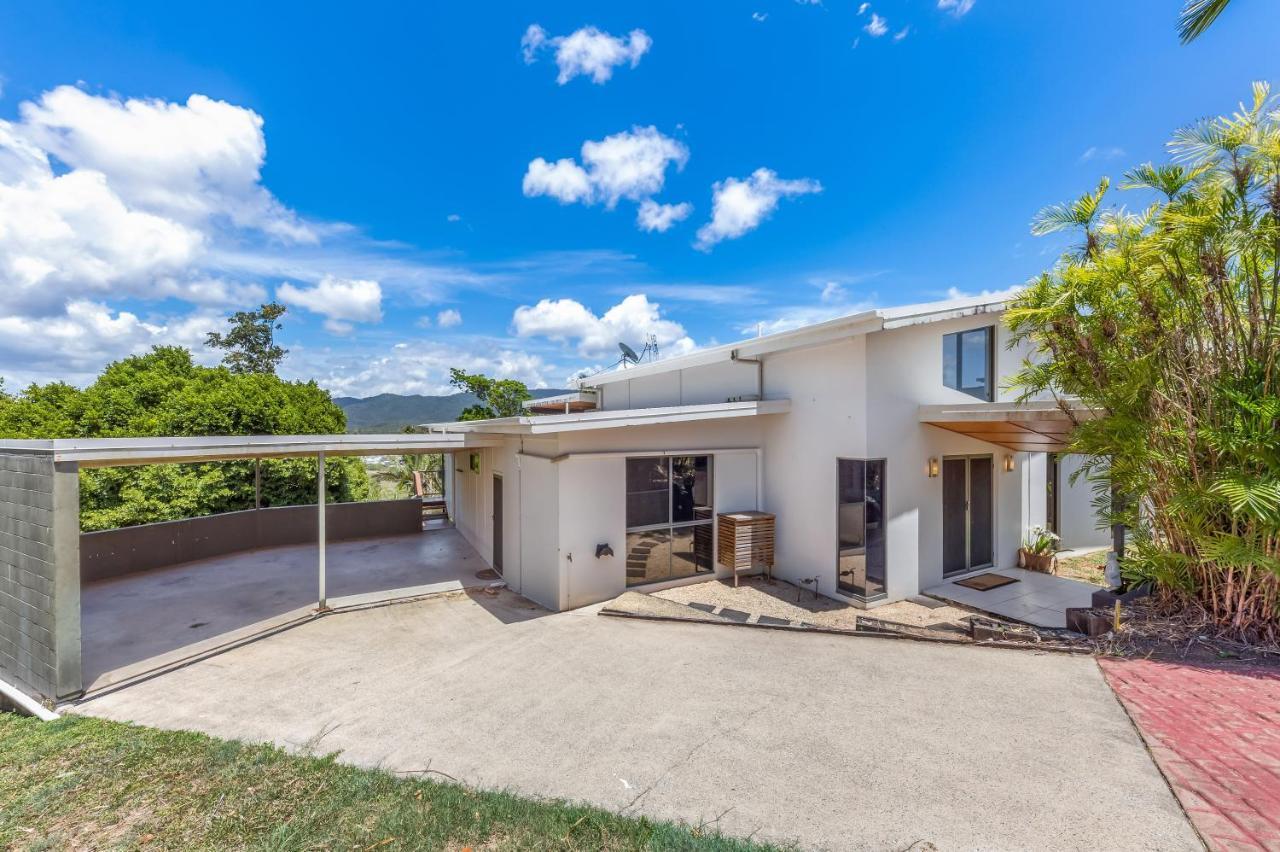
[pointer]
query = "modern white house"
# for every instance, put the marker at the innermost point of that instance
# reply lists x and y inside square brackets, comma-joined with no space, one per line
[884,442]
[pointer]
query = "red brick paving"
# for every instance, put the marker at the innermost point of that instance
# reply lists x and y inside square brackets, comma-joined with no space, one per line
[1215,734]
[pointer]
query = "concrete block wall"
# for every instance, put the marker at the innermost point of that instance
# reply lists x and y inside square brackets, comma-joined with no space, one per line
[39,574]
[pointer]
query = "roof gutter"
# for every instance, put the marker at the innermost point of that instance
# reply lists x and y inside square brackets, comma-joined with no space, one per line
[759,362]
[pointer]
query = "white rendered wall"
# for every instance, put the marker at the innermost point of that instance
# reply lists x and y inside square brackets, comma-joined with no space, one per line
[1035,493]
[828,419]
[904,370]
[593,510]
[1078,523]
[539,521]
[703,385]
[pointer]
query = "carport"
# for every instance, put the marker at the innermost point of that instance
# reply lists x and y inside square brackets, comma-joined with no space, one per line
[42,630]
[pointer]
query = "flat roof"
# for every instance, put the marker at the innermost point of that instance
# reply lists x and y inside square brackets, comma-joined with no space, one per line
[121,452]
[612,419]
[817,334]
[579,400]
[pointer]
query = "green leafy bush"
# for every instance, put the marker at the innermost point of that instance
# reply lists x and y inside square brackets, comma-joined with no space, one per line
[165,393]
[1164,322]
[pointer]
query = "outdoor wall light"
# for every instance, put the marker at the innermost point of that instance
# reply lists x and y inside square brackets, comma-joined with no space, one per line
[1008,464]
[933,467]
[603,550]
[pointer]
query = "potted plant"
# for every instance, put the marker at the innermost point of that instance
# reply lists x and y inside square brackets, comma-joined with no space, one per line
[1038,548]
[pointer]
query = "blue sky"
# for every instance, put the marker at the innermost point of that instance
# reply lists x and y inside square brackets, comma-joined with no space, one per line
[372,166]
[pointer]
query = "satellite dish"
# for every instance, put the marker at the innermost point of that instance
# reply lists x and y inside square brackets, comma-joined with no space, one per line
[629,355]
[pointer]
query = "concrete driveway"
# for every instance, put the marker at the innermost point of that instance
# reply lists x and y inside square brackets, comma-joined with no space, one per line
[831,742]
[141,622]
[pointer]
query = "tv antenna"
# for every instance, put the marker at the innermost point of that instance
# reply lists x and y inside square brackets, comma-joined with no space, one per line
[649,352]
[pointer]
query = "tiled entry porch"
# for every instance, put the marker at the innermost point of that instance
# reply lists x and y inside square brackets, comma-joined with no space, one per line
[1038,599]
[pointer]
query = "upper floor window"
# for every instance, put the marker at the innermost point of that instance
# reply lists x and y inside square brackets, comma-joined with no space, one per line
[968,362]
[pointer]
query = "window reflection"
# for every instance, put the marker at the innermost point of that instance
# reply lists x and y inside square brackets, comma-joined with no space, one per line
[670,518]
[862,558]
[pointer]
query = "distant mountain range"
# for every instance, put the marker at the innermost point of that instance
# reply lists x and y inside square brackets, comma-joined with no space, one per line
[391,412]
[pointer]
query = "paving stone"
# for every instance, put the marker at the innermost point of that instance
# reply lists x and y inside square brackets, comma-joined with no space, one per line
[1206,728]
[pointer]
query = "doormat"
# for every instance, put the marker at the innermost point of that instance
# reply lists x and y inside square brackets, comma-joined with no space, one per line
[986,582]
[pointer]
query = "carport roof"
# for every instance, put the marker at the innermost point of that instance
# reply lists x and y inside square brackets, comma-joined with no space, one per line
[121,452]
[1024,427]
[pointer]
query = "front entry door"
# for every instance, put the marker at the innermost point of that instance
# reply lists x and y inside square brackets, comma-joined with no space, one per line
[497,523]
[968,512]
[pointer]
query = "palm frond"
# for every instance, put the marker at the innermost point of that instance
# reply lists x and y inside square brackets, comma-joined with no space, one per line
[1197,16]
[1080,213]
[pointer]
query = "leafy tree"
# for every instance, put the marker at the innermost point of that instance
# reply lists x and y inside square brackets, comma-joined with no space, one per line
[1164,322]
[165,393]
[401,473]
[1197,16]
[497,397]
[250,344]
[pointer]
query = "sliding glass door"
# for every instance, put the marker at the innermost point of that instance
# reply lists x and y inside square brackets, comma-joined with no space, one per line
[862,560]
[670,519]
[968,513]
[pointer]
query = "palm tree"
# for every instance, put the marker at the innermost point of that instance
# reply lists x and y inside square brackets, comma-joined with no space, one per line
[1197,16]
[1081,213]
[401,473]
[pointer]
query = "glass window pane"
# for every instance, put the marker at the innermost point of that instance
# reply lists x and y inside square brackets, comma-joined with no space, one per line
[648,557]
[874,582]
[852,491]
[851,523]
[690,488]
[974,357]
[691,551]
[951,360]
[648,492]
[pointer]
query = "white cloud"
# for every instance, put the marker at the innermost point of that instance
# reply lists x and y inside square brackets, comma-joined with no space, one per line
[957,293]
[631,164]
[418,367]
[1105,152]
[448,318]
[189,162]
[71,235]
[652,216]
[563,180]
[629,321]
[832,291]
[341,301]
[759,17]
[902,33]
[862,8]
[709,294]
[957,8]
[161,205]
[532,41]
[877,26]
[75,343]
[740,205]
[586,52]
[453,217]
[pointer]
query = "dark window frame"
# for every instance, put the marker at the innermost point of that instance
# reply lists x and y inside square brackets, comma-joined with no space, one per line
[955,341]
[883,522]
[671,527]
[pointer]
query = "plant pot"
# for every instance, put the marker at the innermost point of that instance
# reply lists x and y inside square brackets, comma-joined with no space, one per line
[1089,622]
[1042,562]
[1108,597]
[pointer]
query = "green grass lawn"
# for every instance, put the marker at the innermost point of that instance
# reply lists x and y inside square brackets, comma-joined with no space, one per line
[1088,568]
[87,783]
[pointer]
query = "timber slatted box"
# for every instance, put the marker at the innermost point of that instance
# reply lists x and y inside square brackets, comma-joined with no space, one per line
[746,540]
